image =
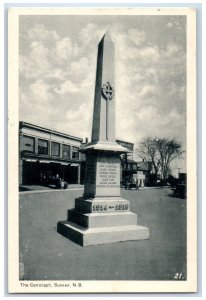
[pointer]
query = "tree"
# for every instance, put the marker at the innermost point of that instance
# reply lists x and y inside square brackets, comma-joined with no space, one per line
[160,152]
[168,151]
[147,150]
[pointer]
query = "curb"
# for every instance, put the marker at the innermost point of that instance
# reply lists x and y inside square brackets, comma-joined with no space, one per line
[49,191]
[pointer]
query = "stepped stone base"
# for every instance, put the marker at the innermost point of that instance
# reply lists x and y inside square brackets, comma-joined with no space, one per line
[94,236]
[99,227]
[95,220]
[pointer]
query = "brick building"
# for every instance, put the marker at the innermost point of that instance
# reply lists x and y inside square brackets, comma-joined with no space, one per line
[46,150]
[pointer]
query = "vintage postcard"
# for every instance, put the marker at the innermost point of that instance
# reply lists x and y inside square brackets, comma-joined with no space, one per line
[102,190]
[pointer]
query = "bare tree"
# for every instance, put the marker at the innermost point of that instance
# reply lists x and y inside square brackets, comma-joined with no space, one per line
[160,152]
[148,151]
[169,149]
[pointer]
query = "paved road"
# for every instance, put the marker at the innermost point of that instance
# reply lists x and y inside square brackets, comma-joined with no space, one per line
[45,254]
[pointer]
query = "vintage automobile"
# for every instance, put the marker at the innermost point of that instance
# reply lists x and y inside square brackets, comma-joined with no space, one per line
[53,180]
[129,184]
[180,190]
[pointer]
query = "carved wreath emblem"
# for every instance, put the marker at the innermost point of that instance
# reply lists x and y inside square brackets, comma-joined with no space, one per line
[108,91]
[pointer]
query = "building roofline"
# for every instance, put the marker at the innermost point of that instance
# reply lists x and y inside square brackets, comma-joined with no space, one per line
[33,126]
[120,140]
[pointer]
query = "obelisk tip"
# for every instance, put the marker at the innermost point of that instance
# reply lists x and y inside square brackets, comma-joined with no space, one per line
[106,36]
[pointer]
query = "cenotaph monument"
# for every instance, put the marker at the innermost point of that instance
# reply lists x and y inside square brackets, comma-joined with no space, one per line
[101,215]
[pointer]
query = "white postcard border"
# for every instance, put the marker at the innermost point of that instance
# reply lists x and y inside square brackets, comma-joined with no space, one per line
[15,286]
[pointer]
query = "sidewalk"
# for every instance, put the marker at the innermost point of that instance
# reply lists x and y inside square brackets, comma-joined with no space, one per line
[27,188]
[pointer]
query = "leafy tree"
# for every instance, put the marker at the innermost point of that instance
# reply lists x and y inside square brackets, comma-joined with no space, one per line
[160,152]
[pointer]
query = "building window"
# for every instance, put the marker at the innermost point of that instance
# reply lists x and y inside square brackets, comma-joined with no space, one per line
[42,147]
[134,166]
[129,166]
[28,144]
[66,151]
[75,152]
[55,149]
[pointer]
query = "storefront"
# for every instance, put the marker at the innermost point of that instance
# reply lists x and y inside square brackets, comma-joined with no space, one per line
[44,152]
[32,171]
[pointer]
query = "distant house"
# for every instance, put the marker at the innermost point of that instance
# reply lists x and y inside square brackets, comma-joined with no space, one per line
[128,165]
[133,171]
[128,171]
[137,172]
[129,146]
[139,179]
[146,168]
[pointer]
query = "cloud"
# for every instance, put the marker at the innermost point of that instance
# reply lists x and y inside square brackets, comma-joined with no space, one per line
[64,50]
[67,87]
[144,55]
[149,121]
[149,55]
[36,63]
[150,75]
[36,103]
[82,68]
[39,32]
[39,53]
[173,50]
[64,59]
[148,91]
[136,36]
[80,119]
[133,45]
[88,82]
[172,56]
[91,33]
[57,74]
[37,93]
[169,25]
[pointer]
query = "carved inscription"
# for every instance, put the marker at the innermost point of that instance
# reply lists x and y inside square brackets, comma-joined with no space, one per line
[108,174]
[90,173]
[108,207]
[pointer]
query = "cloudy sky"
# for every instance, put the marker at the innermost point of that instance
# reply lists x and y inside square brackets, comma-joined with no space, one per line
[58,65]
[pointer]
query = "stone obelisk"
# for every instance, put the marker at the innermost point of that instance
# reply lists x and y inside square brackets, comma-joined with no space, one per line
[101,215]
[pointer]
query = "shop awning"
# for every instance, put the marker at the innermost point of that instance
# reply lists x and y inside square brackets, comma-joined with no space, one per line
[55,162]
[31,160]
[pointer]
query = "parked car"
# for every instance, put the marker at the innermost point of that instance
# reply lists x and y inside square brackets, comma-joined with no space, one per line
[180,190]
[47,178]
[128,185]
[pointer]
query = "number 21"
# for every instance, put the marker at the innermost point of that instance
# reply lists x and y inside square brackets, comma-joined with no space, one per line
[178,276]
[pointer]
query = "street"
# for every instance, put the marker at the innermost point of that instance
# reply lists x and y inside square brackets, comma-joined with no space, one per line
[45,254]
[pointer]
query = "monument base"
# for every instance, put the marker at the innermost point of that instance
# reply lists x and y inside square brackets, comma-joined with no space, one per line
[94,236]
[101,220]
